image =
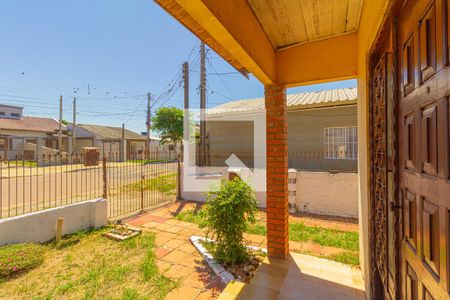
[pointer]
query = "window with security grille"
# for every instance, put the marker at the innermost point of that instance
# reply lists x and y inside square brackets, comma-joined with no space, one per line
[340,143]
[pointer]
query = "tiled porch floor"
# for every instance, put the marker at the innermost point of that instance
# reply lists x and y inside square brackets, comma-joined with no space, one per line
[304,276]
[300,277]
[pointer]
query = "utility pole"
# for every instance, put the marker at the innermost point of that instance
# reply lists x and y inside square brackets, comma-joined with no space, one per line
[60,124]
[202,153]
[147,145]
[186,103]
[74,124]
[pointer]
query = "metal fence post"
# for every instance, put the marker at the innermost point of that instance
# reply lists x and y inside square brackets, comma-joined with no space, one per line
[178,177]
[105,178]
[142,191]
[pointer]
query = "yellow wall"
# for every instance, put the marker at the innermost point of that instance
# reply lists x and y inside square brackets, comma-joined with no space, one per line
[325,60]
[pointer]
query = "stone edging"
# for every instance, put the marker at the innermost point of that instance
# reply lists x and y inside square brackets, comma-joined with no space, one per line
[220,271]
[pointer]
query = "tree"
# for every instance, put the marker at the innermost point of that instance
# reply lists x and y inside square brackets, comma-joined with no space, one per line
[168,122]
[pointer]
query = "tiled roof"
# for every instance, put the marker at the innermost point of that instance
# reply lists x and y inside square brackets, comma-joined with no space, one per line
[294,101]
[30,124]
[111,133]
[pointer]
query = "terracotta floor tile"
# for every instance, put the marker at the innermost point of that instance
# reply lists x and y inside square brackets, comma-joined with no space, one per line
[186,224]
[191,261]
[174,229]
[160,252]
[173,221]
[187,247]
[175,256]
[162,238]
[150,224]
[188,232]
[298,277]
[163,226]
[183,292]
[178,272]
[175,243]
[158,219]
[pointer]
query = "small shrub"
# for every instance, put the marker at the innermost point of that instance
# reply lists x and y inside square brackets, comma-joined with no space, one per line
[19,258]
[227,213]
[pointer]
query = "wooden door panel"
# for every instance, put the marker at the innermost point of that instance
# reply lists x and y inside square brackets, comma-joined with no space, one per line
[430,234]
[410,145]
[410,217]
[427,43]
[429,139]
[408,65]
[424,148]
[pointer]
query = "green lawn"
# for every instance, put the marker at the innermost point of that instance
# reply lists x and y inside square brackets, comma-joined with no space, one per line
[166,184]
[144,161]
[86,265]
[299,232]
[26,163]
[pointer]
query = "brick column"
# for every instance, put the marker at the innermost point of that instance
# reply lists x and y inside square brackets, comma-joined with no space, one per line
[277,171]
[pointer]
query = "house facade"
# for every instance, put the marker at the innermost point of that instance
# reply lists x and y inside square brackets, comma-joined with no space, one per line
[27,137]
[109,140]
[398,50]
[322,130]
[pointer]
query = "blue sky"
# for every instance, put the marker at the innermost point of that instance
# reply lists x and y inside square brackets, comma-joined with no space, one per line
[108,53]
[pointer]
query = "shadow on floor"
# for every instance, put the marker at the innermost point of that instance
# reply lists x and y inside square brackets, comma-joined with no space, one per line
[300,277]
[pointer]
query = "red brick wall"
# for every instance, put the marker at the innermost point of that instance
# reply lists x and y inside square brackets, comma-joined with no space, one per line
[277,171]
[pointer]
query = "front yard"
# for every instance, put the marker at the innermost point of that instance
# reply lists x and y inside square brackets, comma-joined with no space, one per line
[339,245]
[84,265]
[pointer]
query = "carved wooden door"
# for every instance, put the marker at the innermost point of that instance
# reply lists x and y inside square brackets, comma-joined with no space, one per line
[423,115]
[385,217]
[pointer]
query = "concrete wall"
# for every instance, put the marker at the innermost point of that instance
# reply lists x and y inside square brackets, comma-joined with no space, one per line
[41,226]
[328,194]
[314,192]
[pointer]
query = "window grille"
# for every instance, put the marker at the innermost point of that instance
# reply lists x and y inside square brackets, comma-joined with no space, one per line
[341,143]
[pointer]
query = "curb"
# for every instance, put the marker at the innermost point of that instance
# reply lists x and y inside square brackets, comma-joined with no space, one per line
[220,271]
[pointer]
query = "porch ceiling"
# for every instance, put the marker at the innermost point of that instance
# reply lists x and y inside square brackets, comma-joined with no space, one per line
[291,22]
[290,42]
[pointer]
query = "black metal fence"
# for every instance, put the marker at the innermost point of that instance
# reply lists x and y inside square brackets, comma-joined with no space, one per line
[131,183]
[300,160]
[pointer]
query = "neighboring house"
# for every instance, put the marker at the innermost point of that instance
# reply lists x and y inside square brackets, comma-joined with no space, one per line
[322,130]
[109,140]
[20,135]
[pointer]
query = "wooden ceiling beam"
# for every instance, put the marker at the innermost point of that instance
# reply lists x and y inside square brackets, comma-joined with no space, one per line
[326,60]
[231,29]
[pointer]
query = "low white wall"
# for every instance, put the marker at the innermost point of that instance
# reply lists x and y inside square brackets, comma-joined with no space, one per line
[40,226]
[327,193]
